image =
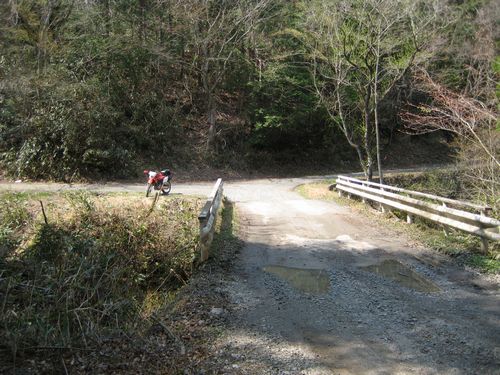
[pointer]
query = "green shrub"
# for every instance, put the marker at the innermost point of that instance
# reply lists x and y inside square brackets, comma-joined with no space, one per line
[101,265]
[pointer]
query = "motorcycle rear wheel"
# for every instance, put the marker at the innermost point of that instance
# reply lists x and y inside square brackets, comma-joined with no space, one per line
[165,189]
[148,190]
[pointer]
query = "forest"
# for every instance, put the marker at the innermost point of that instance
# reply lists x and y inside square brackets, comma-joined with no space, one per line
[96,277]
[101,88]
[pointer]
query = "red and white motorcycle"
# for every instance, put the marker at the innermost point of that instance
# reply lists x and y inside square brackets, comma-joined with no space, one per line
[159,181]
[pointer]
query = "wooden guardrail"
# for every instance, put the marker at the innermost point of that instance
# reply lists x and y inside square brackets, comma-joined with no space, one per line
[444,213]
[208,219]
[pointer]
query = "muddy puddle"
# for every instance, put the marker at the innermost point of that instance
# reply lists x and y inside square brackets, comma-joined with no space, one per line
[396,271]
[305,280]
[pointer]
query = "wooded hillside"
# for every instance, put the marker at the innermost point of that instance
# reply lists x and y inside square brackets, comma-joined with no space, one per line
[102,87]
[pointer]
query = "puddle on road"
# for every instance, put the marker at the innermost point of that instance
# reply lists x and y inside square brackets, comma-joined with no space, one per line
[396,271]
[305,280]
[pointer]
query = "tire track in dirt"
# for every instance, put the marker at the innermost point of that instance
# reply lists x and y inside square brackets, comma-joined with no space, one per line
[364,322]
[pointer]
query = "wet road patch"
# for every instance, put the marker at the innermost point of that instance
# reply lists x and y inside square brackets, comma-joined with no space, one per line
[398,272]
[312,281]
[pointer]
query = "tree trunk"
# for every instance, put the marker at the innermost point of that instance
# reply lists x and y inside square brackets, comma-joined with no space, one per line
[368,135]
[375,109]
[107,17]
[209,89]
[344,128]
[211,122]
[377,136]
[370,169]
[142,22]
[43,36]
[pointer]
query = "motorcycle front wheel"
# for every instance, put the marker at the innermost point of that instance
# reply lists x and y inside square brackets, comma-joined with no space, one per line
[148,190]
[167,186]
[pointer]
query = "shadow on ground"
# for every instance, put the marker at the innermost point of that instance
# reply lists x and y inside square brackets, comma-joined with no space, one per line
[365,321]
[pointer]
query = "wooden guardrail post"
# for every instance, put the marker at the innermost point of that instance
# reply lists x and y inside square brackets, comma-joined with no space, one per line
[445,228]
[484,245]
[384,208]
[208,219]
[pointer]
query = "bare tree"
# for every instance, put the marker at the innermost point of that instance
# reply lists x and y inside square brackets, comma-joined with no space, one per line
[451,112]
[217,29]
[473,123]
[361,50]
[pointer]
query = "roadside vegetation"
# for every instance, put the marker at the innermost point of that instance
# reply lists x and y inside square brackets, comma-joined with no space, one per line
[91,282]
[93,89]
[456,244]
[454,183]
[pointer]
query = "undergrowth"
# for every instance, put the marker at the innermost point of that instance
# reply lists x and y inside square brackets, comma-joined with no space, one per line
[443,183]
[99,266]
[450,183]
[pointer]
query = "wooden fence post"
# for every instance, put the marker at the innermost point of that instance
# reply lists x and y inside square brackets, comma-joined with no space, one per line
[445,228]
[484,245]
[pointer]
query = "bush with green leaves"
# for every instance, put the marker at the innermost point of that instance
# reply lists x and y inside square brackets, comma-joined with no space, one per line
[92,271]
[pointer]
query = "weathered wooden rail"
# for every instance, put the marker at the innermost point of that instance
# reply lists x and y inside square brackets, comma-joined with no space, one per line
[446,212]
[208,219]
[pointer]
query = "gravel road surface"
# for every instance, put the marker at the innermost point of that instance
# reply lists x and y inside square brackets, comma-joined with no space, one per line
[320,290]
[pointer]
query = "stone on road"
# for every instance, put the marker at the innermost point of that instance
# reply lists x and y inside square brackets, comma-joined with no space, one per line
[319,290]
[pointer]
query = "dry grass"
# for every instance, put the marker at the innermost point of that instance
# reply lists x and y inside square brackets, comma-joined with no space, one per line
[101,266]
[317,190]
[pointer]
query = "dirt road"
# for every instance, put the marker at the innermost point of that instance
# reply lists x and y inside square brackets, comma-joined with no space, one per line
[318,290]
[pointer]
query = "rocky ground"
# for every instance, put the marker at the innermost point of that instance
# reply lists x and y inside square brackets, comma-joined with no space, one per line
[317,289]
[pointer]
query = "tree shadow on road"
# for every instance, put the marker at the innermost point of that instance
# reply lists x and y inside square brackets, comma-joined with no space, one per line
[365,323]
